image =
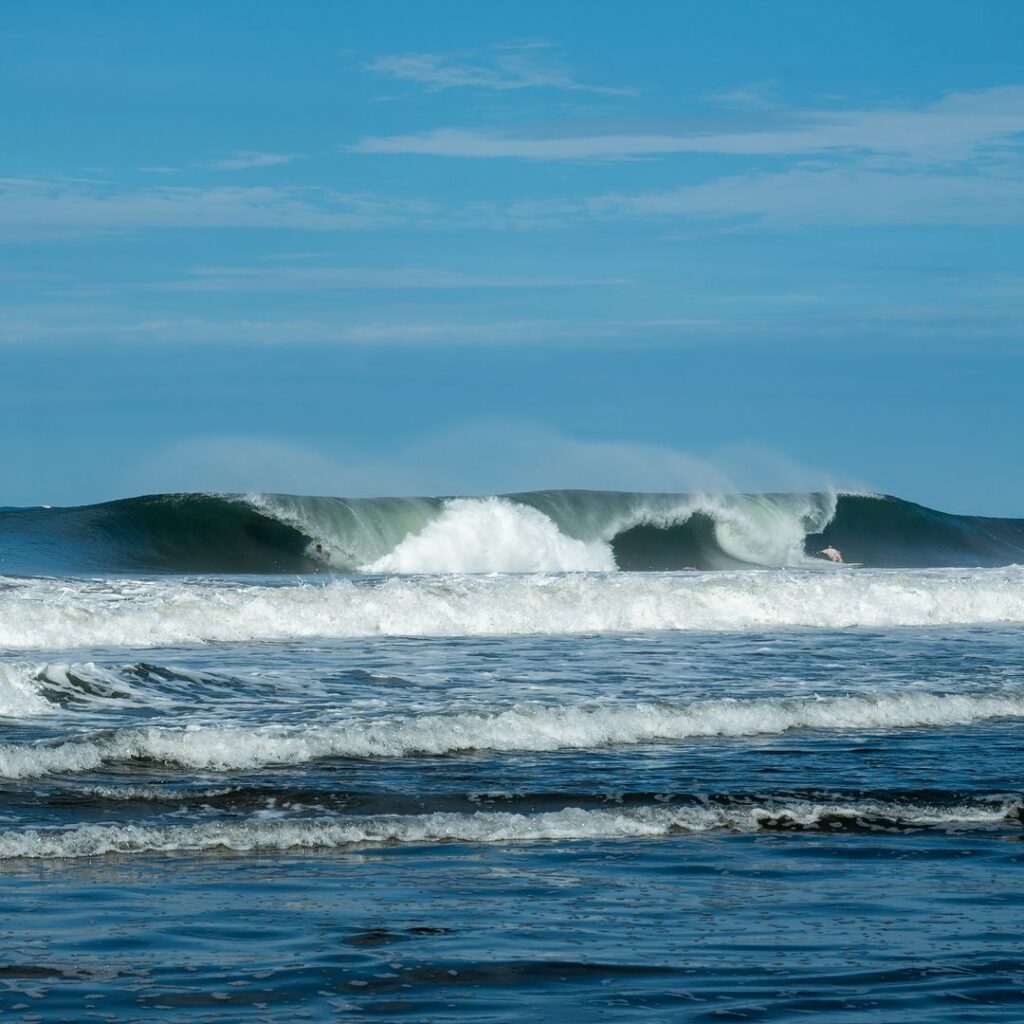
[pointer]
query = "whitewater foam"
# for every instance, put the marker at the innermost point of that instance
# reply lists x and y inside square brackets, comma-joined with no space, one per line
[571,823]
[19,691]
[763,530]
[55,615]
[545,531]
[493,535]
[522,727]
[28,689]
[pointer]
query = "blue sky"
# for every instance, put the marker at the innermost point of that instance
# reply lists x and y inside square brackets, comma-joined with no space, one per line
[362,248]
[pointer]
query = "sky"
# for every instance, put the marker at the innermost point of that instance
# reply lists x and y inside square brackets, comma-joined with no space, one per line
[401,247]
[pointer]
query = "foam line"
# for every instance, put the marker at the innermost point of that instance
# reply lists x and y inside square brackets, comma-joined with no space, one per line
[62,614]
[522,727]
[571,823]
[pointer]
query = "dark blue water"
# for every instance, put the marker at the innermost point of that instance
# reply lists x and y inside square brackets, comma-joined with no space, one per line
[749,795]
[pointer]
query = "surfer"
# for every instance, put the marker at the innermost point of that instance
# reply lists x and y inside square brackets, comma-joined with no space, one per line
[320,555]
[833,554]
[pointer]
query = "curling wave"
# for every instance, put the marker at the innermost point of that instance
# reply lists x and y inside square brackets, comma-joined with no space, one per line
[536,531]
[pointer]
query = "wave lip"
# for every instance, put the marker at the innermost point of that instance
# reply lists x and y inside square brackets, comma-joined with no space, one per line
[570,823]
[62,615]
[522,727]
[31,689]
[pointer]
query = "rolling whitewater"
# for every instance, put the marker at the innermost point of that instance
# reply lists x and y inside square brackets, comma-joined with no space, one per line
[570,755]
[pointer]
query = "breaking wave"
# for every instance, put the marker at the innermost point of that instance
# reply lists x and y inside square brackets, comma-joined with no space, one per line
[570,823]
[45,614]
[522,727]
[536,531]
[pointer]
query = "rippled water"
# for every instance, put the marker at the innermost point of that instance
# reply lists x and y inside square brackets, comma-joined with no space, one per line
[701,819]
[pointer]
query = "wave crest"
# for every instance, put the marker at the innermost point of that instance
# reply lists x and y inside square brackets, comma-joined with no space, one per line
[537,531]
[571,823]
[522,727]
[59,615]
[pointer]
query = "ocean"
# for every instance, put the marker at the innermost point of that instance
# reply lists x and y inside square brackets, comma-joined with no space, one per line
[566,755]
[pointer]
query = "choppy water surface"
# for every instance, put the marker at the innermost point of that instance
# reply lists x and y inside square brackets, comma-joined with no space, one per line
[591,796]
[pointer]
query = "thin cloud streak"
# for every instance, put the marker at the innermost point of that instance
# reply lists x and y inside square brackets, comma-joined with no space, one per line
[962,325]
[242,160]
[501,68]
[290,278]
[831,196]
[954,128]
[956,162]
[812,196]
[83,323]
[755,96]
[41,208]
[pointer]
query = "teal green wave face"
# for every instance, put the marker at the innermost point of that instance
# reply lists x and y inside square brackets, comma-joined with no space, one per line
[542,531]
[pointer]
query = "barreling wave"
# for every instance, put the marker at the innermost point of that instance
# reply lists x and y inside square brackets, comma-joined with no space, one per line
[541,531]
[786,814]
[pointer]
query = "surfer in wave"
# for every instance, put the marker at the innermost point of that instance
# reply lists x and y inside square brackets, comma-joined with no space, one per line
[832,554]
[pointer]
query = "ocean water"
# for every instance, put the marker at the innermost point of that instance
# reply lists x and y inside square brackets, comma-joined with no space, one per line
[475,765]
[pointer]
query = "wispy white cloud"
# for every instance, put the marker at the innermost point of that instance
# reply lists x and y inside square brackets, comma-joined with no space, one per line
[299,278]
[455,142]
[820,194]
[86,323]
[503,68]
[825,195]
[954,128]
[242,160]
[52,208]
[754,96]
[346,331]
[963,321]
[957,161]
[87,316]
[32,277]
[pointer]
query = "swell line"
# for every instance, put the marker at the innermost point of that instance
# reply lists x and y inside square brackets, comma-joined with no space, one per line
[570,823]
[522,727]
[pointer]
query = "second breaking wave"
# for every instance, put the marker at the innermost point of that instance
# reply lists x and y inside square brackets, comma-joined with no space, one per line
[47,614]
